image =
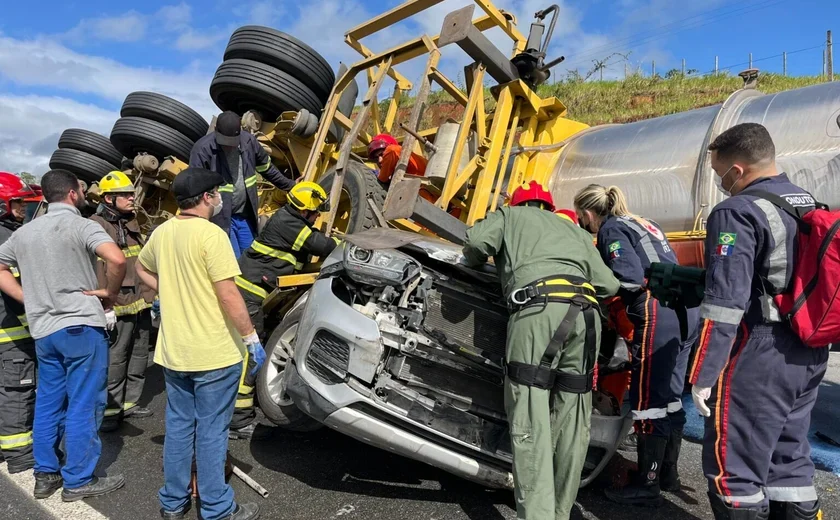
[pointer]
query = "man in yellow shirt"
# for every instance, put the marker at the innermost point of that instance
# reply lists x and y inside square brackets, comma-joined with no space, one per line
[205,329]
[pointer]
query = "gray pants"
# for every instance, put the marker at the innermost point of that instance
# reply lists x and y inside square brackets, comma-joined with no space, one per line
[139,360]
[17,403]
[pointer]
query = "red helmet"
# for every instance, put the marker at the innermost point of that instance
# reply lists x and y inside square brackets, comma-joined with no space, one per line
[568,214]
[12,188]
[380,142]
[532,191]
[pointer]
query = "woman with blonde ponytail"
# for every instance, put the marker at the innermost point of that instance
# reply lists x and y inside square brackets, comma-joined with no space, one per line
[629,244]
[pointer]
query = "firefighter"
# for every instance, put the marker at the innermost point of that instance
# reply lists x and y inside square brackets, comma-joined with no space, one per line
[128,350]
[238,157]
[17,349]
[552,287]
[385,151]
[753,378]
[628,244]
[282,247]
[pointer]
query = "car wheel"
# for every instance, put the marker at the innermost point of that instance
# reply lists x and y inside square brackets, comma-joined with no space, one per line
[133,135]
[91,143]
[275,403]
[283,52]
[84,165]
[241,85]
[167,111]
[354,211]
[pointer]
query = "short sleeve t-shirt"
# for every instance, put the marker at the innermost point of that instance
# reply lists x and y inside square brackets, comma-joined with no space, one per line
[189,256]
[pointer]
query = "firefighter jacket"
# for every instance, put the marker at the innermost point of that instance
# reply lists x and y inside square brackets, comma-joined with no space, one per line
[283,247]
[134,296]
[208,154]
[529,244]
[750,249]
[14,330]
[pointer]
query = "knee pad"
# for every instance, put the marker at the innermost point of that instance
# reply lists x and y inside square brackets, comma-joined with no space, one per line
[724,511]
[795,510]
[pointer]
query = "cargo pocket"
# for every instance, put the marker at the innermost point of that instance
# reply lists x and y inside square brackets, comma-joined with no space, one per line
[521,437]
[18,369]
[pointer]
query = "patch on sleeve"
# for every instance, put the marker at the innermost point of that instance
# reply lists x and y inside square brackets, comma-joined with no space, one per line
[726,244]
[615,250]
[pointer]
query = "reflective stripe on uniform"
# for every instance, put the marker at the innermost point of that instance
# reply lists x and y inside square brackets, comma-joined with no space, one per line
[777,260]
[262,168]
[645,241]
[131,251]
[244,398]
[131,308]
[126,406]
[336,240]
[251,181]
[756,498]
[675,406]
[226,188]
[791,494]
[18,440]
[23,321]
[15,271]
[721,314]
[110,412]
[263,249]
[244,284]
[301,238]
[244,403]
[630,286]
[13,334]
[650,413]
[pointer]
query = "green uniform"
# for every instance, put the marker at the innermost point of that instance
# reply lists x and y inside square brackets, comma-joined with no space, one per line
[549,428]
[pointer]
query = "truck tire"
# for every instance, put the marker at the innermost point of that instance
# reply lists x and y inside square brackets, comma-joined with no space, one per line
[283,52]
[90,143]
[345,105]
[281,410]
[165,110]
[85,166]
[132,135]
[360,184]
[241,85]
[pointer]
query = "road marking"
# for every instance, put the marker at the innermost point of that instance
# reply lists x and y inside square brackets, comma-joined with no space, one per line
[78,510]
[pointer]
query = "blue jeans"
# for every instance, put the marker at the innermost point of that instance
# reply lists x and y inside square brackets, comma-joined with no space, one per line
[241,234]
[72,392]
[199,407]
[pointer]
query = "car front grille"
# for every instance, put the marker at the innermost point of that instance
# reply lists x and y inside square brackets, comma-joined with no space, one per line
[467,321]
[328,357]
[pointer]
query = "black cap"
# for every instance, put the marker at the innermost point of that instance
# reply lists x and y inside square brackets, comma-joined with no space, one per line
[228,126]
[195,181]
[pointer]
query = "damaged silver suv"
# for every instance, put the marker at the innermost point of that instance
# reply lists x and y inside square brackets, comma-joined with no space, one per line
[399,345]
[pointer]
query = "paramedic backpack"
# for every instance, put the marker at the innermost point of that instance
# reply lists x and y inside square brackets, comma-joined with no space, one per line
[812,306]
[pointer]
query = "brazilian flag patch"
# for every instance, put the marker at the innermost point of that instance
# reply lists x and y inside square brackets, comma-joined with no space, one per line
[615,246]
[727,239]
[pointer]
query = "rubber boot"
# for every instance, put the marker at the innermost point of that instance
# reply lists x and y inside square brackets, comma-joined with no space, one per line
[645,489]
[794,511]
[670,478]
[724,511]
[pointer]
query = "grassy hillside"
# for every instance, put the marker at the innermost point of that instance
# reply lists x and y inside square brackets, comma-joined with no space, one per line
[637,97]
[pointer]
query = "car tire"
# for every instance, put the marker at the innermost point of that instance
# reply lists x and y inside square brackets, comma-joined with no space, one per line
[285,414]
[134,135]
[91,143]
[241,85]
[85,166]
[360,184]
[165,110]
[283,52]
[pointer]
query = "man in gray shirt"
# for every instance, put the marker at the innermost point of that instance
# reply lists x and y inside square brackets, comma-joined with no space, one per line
[56,254]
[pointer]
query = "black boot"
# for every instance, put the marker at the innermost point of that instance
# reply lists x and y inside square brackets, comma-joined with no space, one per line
[794,511]
[46,484]
[645,490]
[670,479]
[724,511]
[97,487]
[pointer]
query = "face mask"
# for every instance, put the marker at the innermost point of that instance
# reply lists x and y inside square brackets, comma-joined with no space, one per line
[719,182]
[217,209]
[586,227]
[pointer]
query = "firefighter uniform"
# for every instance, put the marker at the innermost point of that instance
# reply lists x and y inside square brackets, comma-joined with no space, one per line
[283,247]
[549,424]
[764,380]
[659,353]
[127,357]
[17,388]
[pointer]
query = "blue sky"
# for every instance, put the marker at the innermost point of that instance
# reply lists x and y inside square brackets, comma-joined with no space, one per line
[71,63]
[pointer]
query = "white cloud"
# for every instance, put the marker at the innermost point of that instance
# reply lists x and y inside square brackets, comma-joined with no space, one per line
[31,125]
[127,27]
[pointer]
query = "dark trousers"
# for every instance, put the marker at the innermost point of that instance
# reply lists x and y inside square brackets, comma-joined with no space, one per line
[120,345]
[17,403]
[755,446]
[139,360]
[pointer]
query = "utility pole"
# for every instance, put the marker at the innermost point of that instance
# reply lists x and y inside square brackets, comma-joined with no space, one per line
[716,64]
[784,63]
[653,68]
[625,70]
[829,57]
[683,66]
[750,60]
[822,73]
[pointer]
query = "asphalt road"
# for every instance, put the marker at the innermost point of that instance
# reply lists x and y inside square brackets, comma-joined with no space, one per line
[325,475]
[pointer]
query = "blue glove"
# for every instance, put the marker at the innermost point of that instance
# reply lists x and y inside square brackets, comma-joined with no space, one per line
[256,351]
[156,308]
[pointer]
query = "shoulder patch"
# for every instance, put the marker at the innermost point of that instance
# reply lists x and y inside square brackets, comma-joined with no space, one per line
[615,246]
[727,239]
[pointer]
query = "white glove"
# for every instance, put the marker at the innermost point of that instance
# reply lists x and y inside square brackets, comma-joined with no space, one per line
[251,338]
[699,395]
[110,319]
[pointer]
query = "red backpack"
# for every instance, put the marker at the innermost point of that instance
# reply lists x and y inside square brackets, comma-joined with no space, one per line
[812,306]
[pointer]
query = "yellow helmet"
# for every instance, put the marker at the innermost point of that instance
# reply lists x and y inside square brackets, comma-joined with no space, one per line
[309,196]
[115,182]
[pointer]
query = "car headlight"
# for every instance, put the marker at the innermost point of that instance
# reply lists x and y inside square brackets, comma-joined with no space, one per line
[379,267]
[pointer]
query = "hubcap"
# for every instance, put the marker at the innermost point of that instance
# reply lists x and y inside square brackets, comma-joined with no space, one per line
[281,356]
